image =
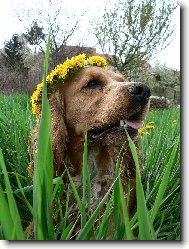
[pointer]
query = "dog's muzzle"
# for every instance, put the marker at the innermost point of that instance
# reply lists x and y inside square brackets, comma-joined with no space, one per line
[140,92]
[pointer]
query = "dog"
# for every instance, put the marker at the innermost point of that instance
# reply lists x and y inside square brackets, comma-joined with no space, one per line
[101,104]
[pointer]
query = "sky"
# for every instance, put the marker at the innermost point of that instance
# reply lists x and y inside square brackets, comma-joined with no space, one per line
[9,24]
[171,55]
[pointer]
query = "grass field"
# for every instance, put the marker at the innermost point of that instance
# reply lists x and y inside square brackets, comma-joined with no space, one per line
[159,214]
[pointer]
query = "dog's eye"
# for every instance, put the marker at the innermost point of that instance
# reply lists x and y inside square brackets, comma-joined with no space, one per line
[94,84]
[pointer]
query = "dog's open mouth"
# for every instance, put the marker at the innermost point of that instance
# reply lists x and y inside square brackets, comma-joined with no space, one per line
[131,125]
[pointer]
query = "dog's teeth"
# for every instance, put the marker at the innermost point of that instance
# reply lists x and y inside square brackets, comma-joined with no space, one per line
[121,123]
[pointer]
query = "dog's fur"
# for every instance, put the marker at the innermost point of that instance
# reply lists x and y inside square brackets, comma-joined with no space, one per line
[94,98]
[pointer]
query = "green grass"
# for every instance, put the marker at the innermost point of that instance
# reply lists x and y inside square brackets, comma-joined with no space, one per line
[161,157]
[15,119]
[14,129]
[160,180]
[156,216]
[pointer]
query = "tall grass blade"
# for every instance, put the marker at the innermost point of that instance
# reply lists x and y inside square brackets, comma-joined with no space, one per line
[12,207]
[5,218]
[128,231]
[145,226]
[71,230]
[83,233]
[43,173]
[84,183]
[25,199]
[88,177]
[79,203]
[164,181]
[103,228]
[116,198]
[66,231]
[58,182]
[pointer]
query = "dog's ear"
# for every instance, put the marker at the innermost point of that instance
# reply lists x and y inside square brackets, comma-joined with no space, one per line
[59,132]
[59,135]
[32,137]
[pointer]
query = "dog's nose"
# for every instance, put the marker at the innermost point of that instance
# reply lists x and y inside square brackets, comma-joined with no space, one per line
[141,92]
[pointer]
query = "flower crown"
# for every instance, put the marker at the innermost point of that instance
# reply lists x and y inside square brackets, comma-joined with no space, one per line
[62,72]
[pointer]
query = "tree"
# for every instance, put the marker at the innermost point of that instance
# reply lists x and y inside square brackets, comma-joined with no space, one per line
[35,35]
[46,19]
[13,70]
[134,31]
[13,56]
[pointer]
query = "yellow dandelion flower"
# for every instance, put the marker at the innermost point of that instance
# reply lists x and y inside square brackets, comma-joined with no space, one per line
[62,72]
[40,87]
[97,61]
[78,61]
[146,132]
[149,127]
[174,121]
[36,109]
[50,77]
[140,130]
[152,122]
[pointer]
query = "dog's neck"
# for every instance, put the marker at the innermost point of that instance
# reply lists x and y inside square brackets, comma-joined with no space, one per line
[102,159]
[102,162]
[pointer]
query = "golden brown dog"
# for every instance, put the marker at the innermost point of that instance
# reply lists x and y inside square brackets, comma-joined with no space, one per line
[101,103]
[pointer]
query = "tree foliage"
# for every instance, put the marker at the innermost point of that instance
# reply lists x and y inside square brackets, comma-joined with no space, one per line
[14,53]
[35,35]
[134,31]
[14,73]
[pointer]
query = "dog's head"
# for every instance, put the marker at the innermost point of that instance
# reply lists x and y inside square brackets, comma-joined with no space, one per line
[102,103]
[86,98]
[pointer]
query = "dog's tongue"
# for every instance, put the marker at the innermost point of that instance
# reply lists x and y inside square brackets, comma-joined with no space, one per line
[135,124]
